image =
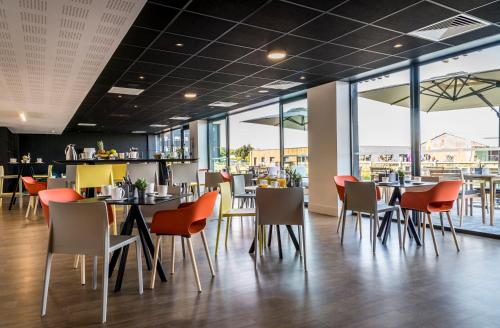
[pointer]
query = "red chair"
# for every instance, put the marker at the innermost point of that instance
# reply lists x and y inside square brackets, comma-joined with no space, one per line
[340,184]
[33,187]
[438,199]
[187,220]
[226,176]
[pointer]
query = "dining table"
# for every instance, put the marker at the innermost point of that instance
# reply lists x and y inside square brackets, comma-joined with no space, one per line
[397,193]
[492,180]
[135,218]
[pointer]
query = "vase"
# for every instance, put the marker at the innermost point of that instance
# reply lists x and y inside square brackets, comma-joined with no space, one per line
[141,193]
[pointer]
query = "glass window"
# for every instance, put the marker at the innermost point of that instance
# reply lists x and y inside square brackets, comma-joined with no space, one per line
[254,139]
[384,125]
[176,143]
[187,142]
[295,138]
[167,143]
[217,144]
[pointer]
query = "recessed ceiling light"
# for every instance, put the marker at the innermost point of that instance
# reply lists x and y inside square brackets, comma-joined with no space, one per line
[398,45]
[263,91]
[248,96]
[179,45]
[302,77]
[22,116]
[222,104]
[119,96]
[86,124]
[180,118]
[190,95]
[135,106]
[141,77]
[157,125]
[138,132]
[276,54]
[126,91]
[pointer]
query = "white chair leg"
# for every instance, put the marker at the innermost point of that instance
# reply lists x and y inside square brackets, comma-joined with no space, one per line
[303,228]
[75,261]
[46,281]
[193,262]
[431,228]
[207,252]
[94,273]
[36,205]
[28,208]
[172,256]
[82,269]
[139,264]
[442,225]
[155,262]
[360,225]
[340,217]
[452,228]
[105,269]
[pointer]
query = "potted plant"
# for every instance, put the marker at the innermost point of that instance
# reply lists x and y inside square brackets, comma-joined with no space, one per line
[401,176]
[294,178]
[141,185]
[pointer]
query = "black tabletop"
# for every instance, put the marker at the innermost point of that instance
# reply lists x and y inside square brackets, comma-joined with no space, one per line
[148,200]
[406,184]
[125,160]
[20,163]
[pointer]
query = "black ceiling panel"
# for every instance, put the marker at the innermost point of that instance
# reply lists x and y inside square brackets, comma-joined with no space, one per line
[225,44]
[281,16]
[155,16]
[415,17]
[327,27]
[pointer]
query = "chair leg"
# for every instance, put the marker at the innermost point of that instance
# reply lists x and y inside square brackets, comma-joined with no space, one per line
[300,241]
[172,256]
[207,252]
[304,245]
[94,273]
[405,226]
[155,262]
[431,228]
[340,217]
[228,223]
[193,262]
[82,269]
[442,225]
[360,225]
[462,208]
[29,206]
[138,256]
[398,218]
[183,248]
[36,205]
[452,228]
[374,241]
[424,226]
[218,236]
[46,281]
[105,274]
[75,261]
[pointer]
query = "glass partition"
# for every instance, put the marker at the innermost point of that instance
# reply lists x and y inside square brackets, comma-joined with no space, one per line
[186,141]
[217,151]
[176,143]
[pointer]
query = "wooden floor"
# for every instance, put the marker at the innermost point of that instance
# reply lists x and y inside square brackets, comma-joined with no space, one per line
[345,287]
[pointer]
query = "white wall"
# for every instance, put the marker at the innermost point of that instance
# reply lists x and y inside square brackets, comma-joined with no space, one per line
[329,144]
[198,140]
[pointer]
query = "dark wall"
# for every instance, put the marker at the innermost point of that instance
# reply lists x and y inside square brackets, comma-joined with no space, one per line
[51,147]
[9,144]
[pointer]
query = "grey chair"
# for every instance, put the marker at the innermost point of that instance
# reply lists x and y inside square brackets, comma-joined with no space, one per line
[147,171]
[212,180]
[239,194]
[71,175]
[82,228]
[185,175]
[56,183]
[281,206]
[361,197]
[149,210]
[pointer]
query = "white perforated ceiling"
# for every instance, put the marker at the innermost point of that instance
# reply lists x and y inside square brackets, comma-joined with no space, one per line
[51,53]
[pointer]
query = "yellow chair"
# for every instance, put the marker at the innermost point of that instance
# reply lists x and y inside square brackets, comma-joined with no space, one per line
[226,211]
[95,176]
[119,172]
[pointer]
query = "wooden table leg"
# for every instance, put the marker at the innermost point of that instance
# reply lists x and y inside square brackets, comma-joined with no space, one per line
[492,202]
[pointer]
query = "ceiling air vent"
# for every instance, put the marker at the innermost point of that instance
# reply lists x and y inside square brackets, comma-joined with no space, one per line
[281,85]
[450,27]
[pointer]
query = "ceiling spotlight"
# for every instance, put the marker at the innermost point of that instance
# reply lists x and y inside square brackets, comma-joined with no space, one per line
[86,124]
[263,91]
[135,106]
[22,116]
[157,125]
[179,45]
[398,45]
[141,77]
[138,132]
[190,95]
[276,54]
[302,77]
[119,96]
[180,118]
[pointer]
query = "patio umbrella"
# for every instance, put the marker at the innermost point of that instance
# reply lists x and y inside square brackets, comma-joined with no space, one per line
[295,118]
[450,92]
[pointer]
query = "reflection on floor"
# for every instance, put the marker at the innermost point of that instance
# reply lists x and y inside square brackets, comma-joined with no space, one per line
[346,286]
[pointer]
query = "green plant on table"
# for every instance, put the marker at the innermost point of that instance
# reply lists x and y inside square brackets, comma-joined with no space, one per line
[141,184]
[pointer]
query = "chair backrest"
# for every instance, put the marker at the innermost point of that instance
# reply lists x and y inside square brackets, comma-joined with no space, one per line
[280,206]
[201,176]
[226,201]
[93,176]
[248,179]
[212,179]
[184,173]
[119,172]
[445,191]
[204,206]
[71,175]
[273,170]
[56,183]
[238,184]
[430,178]
[63,195]
[340,184]
[360,197]
[78,228]
[148,171]
[149,210]
[446,174]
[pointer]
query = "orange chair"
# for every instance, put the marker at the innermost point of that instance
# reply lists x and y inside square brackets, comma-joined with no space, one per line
[340,184]
[187,220]
[33,187]
[226,176]
[438,199]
